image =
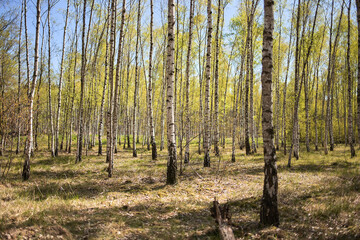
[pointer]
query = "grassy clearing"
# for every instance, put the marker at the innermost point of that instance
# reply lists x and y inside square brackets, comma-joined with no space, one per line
[319,197]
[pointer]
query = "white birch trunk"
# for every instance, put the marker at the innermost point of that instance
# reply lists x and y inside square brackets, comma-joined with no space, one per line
[171,138]
[269,214]
[207,88]
[26,167]
[187,79]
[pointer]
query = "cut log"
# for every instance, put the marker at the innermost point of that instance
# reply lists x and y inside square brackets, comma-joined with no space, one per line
[222,217]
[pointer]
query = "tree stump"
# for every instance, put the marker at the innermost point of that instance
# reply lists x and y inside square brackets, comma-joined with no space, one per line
[222,217]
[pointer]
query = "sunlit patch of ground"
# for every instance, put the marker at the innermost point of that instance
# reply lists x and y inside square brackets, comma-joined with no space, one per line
[319,197]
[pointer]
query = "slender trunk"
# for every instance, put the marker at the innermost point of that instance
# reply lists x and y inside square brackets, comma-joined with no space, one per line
[248,99]
[344,115]
[37,111]
[330,80]
[19,83]
[171,164]
[52,144]
[136,88]
[163,104]
[285,85]
[26,167]
[60,82]
[26,48]
[220,122]
[307,122]
[226,89]
[114,111]
[246,106]
[216,87]
[64,129]
[163,101]
[87,111]
[179,126]
[110,127]
[322,115]
[187,77]
[101,117]
[82,90]
[269,214]
[328,84]
[127,96]
[350,118]
[127,113]
[296,91]
[95,126]
[331,126]
[242,113]
[316,94]
[277,84]
[251,119]
[338,113]
[200,66]
[72,110]
[315,113]
[236,104]
[295,145]
[176,70]
[151,120]
[207,87]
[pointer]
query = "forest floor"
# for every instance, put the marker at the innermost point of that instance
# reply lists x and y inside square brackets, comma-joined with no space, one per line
[319,197]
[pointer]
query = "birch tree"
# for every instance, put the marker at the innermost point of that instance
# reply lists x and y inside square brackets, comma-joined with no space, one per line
[171,137]
[110,131]
[29,148]
[27,48]
[207,88]
[317,93]
[101,117]
[115,106]
[82,89]
[136,87]
[330,79]
[150,90]
[60,82]
[216,79]
[51,121]
[19,81]
[285,85]
[293,148]
[269,213]
[350,110]
[74,50]
[187,77]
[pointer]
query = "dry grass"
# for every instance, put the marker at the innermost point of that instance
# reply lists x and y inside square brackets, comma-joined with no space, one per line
[319,197]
